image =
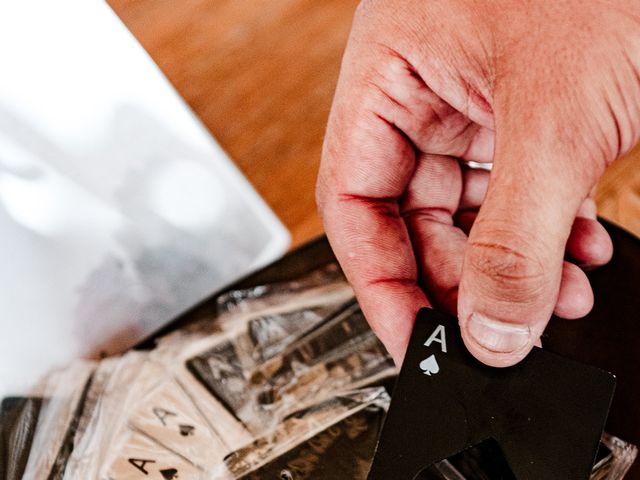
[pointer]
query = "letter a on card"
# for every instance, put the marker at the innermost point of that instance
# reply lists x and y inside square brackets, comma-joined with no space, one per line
[438,336]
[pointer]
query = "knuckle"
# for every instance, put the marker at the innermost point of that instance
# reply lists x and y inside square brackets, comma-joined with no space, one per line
[506,272]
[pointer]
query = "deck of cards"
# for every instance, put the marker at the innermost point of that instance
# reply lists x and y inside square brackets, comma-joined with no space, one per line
[239,393]
[286,381]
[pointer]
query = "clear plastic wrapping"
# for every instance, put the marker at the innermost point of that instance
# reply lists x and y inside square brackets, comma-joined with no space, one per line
[278,381]
[354,415]
[340,353]
[316,287]
[485,461]
[116,385]
[614,459]
[63,394]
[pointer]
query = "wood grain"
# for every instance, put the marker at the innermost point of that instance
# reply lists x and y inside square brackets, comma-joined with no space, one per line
[261,74]
[618,194]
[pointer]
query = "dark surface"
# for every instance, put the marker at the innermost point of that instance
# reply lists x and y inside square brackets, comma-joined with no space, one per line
[530,409]
[18,420]
[609,337]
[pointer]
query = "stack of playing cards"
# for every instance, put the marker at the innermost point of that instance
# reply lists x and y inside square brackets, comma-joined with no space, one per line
[275,372]
[284,382]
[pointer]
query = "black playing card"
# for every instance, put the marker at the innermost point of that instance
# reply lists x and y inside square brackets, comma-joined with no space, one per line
[546,414]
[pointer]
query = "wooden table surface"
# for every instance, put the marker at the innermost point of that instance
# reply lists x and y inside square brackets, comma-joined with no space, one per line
[261,73]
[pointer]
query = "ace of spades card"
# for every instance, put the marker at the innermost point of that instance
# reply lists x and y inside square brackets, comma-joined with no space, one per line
[140,458]
[168,416]
[542,418]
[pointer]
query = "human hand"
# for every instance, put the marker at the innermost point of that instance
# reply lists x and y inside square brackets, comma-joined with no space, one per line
[547,91]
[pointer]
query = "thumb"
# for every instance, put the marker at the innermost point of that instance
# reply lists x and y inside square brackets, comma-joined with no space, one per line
[513,264]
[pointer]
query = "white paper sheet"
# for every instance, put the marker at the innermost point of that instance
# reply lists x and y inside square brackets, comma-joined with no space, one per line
[118,210]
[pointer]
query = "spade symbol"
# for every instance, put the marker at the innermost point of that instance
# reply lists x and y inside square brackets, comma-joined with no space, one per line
[430,366]
[186,430]
[169,473]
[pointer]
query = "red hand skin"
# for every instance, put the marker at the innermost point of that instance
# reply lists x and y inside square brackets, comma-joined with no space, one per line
[549,92]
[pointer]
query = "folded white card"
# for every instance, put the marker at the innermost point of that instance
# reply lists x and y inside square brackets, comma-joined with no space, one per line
[118,210]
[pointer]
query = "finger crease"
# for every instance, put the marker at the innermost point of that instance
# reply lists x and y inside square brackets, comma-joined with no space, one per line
[386,206]
[389,97]
[394,281]
[434,214]
[398,130]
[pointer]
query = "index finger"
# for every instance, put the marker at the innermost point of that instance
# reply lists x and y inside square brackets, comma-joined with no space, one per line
[366,166]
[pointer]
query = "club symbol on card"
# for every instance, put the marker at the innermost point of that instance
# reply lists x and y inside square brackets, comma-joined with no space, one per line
[186,430]
[169,473]
[429,365]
